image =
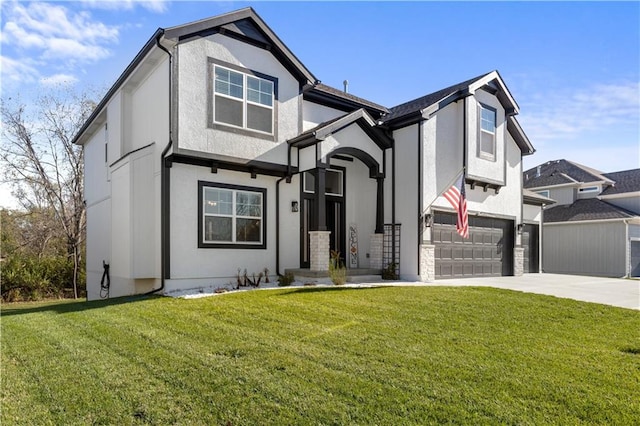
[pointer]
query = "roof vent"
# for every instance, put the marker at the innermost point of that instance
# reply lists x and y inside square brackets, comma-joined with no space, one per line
[346,86]
[538,171]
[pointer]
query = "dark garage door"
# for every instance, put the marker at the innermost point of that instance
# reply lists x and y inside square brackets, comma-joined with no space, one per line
[530,239]
[487,253]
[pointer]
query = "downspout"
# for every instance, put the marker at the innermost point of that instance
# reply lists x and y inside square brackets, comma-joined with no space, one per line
[278,224]
[420,183]
[164,184]
[393,205]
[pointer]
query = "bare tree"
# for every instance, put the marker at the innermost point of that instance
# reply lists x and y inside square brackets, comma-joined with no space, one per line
[44,167]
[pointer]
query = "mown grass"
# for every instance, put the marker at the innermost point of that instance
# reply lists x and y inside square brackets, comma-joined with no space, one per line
[383,356]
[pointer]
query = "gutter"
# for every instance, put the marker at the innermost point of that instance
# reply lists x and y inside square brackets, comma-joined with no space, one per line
[164,184]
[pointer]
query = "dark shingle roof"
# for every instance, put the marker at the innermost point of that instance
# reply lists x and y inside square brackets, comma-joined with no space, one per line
[625,181]
[558,172]
[423,102]
[587,209]
[348,96]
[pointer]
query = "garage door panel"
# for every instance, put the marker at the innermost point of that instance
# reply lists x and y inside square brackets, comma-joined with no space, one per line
[488,251]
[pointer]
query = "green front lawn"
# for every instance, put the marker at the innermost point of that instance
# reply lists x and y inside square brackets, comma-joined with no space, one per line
[386,356]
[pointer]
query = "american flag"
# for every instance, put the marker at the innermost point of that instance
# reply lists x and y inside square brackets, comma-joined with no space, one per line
[457,196]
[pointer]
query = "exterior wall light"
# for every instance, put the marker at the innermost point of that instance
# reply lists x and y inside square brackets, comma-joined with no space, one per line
[294,206]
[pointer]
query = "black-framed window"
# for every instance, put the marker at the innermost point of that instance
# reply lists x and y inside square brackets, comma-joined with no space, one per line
[487,139]
[231,216]
[242,100]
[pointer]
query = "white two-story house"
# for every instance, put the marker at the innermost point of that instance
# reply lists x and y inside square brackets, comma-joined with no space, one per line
[594,227]
[217,150]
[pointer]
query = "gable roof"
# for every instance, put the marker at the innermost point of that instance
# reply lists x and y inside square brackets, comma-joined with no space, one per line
[416,106]
[490,81]
[586,209]
[625,181]
[243,24]
[323,130]
[560,172]
[321,93]
[247,26]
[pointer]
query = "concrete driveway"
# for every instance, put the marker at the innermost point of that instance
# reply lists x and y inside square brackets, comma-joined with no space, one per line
[624,293]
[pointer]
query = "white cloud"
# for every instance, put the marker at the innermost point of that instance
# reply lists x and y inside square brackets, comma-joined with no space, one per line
[598,126]
[55,31]
[22,71]
[562,115]
[158,6]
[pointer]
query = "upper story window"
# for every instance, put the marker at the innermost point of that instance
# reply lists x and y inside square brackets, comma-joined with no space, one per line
[487,142]
[231,216]
[544,193]
[243,100]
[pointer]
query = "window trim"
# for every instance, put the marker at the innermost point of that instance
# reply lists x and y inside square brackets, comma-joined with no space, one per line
[484,154]
[544,193]
[212,124]
[232,245]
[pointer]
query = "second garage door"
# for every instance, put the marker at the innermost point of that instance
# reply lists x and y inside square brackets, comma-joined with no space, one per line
[488,252]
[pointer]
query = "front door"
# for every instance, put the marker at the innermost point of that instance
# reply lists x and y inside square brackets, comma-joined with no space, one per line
[334,210]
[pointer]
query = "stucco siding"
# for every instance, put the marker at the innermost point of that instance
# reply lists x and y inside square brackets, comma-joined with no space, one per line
[149,115]
[217,265]
[407,208]
[491,170]
[531,213]
[193,71]
[585,248]
[96,187]
[360,207]
[314,114]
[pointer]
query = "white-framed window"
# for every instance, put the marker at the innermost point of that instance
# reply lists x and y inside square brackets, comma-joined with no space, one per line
[544,193]
[587,189]
[231,216]
[243,100]
[487,139]
[333,182]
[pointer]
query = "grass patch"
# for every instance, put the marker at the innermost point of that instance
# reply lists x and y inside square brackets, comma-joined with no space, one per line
[413,355]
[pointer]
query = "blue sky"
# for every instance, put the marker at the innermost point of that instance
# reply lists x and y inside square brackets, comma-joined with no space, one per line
[574,68]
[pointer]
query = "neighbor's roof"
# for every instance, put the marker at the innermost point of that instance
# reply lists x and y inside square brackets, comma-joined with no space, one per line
[586,209]
[625,181]
[560,172]
[530,197]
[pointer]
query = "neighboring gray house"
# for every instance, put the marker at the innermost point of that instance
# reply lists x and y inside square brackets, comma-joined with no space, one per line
[594,227]
[218,150]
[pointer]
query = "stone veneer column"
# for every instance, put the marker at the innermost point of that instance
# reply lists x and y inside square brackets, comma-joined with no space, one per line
[319,250]
[518,261]
[375,251]
[427,262]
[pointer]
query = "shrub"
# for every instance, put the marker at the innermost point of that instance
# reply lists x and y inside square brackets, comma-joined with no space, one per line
[390,272]
[26,277]
[337,270]
[286,279]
